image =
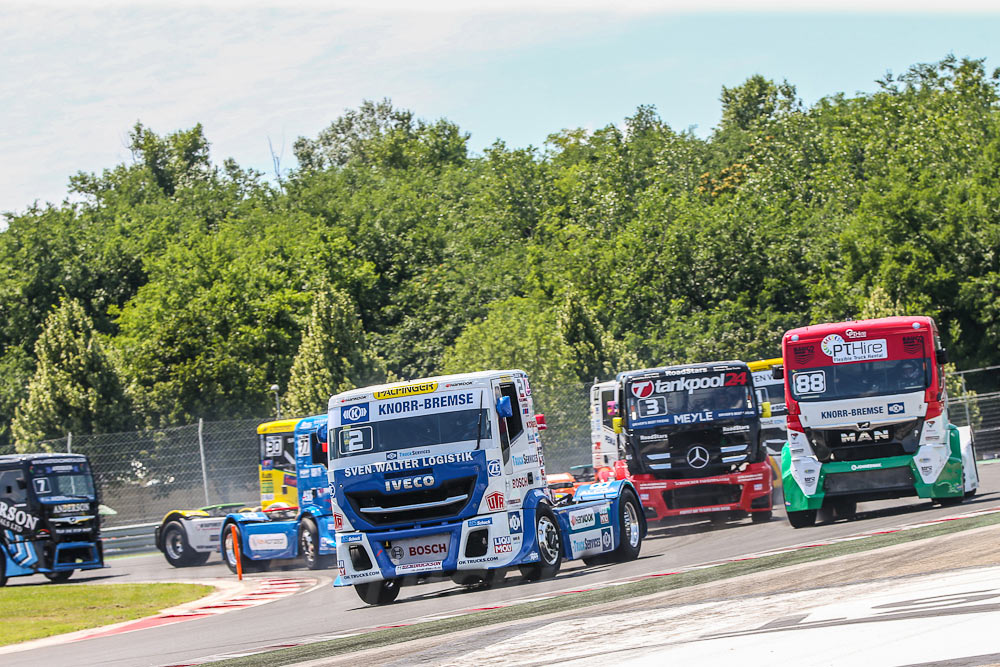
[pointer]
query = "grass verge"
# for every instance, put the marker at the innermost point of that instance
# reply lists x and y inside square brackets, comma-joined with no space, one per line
[32,612]
[389,636]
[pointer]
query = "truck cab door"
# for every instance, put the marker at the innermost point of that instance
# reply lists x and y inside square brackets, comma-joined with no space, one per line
[519,442]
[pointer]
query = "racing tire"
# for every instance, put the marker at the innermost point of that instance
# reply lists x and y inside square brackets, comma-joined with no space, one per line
[548,539]
[229,557]
[378,592]
[951,502]
[176,548]
[761,517]
[600,559]
[479,579]
[59,577]
[630,528]
[719,518]
[802,519]
[309,547]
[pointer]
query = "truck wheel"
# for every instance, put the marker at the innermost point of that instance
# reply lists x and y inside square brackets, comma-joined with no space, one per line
[845,509]
[802,519]
[630,527]
[309,547]
[176,548]
[761,517]
[549,543]
[479,578]
[378,592]
[229,555]
[59,577]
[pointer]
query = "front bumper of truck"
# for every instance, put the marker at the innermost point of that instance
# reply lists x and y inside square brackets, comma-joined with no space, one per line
[747,491]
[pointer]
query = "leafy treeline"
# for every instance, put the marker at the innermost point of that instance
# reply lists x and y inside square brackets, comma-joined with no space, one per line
[178,289]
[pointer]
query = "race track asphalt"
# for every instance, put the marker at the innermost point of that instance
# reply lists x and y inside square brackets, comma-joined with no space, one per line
[324,609]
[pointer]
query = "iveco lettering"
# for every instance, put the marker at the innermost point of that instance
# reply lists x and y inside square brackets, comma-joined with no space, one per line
[424,473]
[868,418]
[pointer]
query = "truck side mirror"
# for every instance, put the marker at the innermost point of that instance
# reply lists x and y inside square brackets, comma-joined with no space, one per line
[765,409]
[941,356]
[616,424]
[778,372]
[503,407]
[540,422]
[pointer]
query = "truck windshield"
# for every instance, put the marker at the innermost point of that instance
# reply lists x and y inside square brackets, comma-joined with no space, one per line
[72,479]
[683,399]
[409,432]
[857,380]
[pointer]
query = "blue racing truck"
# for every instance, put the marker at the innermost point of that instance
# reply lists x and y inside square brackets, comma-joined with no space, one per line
[49,520]
[296,451]
[445,476]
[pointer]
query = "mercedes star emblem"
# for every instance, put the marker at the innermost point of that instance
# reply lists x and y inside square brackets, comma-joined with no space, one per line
[697,457]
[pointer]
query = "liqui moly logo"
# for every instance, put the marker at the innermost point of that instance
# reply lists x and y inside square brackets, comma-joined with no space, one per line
[495,501]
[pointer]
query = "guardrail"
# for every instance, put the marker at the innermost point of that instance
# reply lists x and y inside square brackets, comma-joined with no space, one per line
[137,538]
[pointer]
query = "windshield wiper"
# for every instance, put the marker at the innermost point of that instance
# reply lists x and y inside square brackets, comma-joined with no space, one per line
[479,423]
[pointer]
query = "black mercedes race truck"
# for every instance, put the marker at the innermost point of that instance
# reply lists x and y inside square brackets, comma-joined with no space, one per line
[692,437]
[49,522]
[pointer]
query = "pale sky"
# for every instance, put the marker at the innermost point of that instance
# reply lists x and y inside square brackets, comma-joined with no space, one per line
[74,81]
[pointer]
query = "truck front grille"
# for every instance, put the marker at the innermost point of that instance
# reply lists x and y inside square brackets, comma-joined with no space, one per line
[701,495]
[441,502]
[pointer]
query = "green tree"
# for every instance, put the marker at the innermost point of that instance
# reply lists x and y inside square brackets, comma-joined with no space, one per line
[333,356]
[75,387]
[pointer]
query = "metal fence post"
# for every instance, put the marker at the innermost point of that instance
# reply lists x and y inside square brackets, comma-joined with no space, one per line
[69,442]
[204,469]
[965,397]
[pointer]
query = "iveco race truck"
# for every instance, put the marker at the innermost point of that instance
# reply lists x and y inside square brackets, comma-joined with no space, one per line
[867,418]
[49,519]
[692,441]
[445,476]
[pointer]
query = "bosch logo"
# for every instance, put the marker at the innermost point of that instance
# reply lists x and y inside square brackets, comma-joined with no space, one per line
[697,457]
[642,389]
[428,549]
[396,553]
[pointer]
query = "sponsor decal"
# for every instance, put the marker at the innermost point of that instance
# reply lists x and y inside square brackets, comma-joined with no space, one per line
[589,543]
[514,521]
[409,483]
[495,501]
[407,390]
[842,351]
[340,566]
[865,436]
[502,545]
[582,519]
[803,353]
[604,515]
[380,467]
[853,412]
[913,345]
[642,389]
[396,553]
[531,557]
[354,414]
[525,460]
[482,559]
[519,483]
[606,540]
[347,539]
[338,522]
[896,408]
[459,384]
[865,466]
[655,437]
[485,521]
[493,468]
[514,500]
[851,333]
[350,399]
[739,428]
[391,456]
[430,565]
[427,549]
[17,520]
[697,457]
[268,542]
